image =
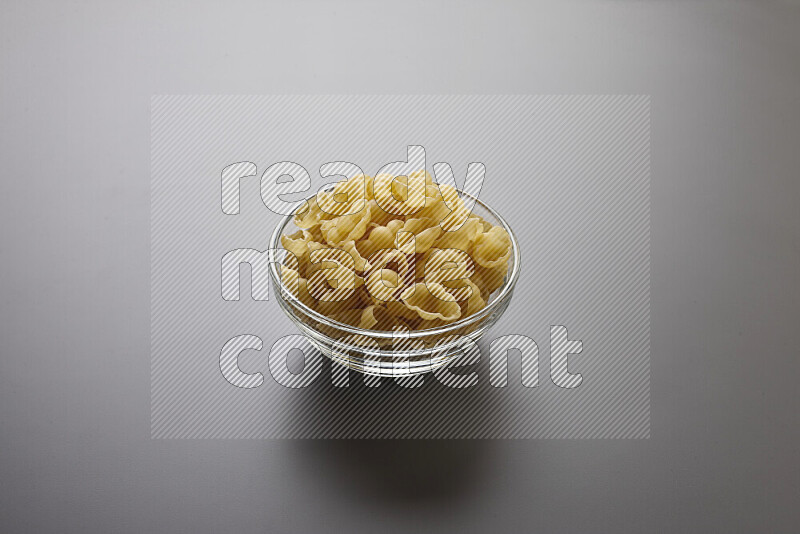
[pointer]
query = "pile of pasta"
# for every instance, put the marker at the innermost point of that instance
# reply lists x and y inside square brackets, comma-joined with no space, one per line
[393,253]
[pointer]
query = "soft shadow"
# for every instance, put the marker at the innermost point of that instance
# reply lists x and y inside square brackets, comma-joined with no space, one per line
[419,474]
[403,451]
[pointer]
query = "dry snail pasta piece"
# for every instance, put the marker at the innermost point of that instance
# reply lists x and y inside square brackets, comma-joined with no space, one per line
[346,227]
[492,248]
[379,238]
[383,284]
[462,238]
[424,232]
[297,286]
[309,215]
[361,263]
[431,301]
[299,243]
[377,317]
[399,196]
[450,267]
[375,253]
[475,302]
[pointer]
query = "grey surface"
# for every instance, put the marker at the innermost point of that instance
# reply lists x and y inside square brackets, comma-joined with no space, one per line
[74,374]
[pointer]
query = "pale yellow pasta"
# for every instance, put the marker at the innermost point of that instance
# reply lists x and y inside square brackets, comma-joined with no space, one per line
[376,317]
[351,316]
[361,263]
[364,296]
[309,215]
[431,301]
[301,243]
[332,275]
[493,248]
[373,317]
[435,208]
[347,227]
[394,254]
[428,178]
[400,310]
[390,273]
[448,266]
[462,238]
[475,302]
[337,307]
[290,279]
[426,324]
[458,211]
[382,284]
[379,238]
[352,192]
[399,195]
[296,285]
[489,279]
[424,232]
[367,318]
[380,217]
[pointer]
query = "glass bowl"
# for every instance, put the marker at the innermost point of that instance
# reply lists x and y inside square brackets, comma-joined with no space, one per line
[387,353]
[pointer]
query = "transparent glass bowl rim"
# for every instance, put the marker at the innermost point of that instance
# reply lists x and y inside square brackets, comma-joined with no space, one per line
[505,290]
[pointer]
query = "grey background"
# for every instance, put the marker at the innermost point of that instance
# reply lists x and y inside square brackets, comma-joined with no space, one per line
[570,175]
[74,396]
